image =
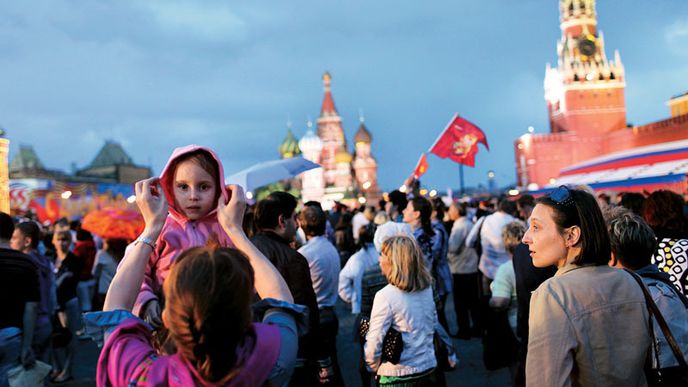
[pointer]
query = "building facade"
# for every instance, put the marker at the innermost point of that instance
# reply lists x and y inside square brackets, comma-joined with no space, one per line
[585,102]
[50,194]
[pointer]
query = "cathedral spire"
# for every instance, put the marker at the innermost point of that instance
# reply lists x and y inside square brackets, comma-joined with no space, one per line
[328,108]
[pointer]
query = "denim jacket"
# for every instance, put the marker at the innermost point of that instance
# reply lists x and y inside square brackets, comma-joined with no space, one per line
[674,312]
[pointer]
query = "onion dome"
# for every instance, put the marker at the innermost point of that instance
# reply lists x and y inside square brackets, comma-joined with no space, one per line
[343,156]
[362,135]
[289,147]
[310,142]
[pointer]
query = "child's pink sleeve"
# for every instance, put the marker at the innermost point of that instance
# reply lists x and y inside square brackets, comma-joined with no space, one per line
[149,286]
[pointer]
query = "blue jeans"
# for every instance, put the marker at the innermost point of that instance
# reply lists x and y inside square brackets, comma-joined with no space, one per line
[10,351]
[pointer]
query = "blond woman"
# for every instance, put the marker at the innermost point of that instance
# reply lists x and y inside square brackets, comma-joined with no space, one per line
[405,304]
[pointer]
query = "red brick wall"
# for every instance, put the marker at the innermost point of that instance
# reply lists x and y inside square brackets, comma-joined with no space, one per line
[552,152]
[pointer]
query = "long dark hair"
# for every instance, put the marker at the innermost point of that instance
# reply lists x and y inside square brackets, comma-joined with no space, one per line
[581,209]
[208,313]
[423,206]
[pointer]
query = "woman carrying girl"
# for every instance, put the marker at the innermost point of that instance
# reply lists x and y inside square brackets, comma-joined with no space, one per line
[208,296]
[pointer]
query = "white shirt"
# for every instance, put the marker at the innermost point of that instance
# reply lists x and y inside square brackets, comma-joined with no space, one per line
[323,262]
[359,220]
[494,252]
[504,285]
[412,314]
[351,276]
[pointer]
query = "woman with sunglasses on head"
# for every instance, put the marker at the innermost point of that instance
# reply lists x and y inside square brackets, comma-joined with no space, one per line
[588,323]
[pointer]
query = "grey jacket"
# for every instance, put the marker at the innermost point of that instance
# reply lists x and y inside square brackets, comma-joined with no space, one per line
[461,259]
[588,327]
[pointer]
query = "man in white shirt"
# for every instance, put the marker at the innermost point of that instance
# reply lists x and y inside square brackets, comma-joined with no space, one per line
[494,253]
[324,265]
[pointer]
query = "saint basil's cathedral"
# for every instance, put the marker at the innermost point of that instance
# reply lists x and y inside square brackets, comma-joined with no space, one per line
[590,141]
[347,177]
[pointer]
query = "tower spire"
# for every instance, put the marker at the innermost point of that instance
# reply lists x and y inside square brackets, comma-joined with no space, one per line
[328,108]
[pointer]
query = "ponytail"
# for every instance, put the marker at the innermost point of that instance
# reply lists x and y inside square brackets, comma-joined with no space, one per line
[423,206]
[208,310]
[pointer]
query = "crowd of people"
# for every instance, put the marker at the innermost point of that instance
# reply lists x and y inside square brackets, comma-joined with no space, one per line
[217,292]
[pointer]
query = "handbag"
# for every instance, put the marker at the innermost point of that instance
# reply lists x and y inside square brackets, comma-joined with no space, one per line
[671,376]
[61,335]
[392,344]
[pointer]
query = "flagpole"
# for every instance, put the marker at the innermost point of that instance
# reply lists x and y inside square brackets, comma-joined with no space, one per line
[445,129]
[461,178]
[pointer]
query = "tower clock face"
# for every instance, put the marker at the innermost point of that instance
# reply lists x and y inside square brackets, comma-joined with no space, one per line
[586,46]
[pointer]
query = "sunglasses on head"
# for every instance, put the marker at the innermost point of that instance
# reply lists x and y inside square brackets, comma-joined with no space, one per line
[562,196]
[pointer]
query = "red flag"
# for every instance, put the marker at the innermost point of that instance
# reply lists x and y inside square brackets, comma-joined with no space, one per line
[421,167]
[459,141]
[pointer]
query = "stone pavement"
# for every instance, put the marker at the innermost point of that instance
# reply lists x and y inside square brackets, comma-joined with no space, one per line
[470,371]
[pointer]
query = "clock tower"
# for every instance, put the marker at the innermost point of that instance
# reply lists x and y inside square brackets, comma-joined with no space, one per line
[585,92]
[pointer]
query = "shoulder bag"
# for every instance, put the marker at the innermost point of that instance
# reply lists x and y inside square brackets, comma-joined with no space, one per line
[670,376]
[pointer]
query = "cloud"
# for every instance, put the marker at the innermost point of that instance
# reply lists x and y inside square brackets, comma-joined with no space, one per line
[212,22]
[676,36]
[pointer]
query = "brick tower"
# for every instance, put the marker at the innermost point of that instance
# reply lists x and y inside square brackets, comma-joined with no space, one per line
[585,100]
[585,93]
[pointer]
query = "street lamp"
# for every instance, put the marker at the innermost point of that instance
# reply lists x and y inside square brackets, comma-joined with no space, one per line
[531,129]
[490,181]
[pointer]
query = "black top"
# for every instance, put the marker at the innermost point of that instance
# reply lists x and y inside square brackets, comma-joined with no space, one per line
[528,278]
[67,278]
[18,285]
[294,269]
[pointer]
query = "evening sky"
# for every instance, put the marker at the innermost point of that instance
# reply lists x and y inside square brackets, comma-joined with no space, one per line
[154,75]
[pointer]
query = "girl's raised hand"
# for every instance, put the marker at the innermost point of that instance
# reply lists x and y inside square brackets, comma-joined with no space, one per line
[231,215]
[151,203]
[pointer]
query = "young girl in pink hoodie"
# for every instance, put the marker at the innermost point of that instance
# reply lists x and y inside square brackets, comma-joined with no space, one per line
[192,182]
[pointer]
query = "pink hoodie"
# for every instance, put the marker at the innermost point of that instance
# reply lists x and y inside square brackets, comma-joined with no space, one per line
[179,233]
